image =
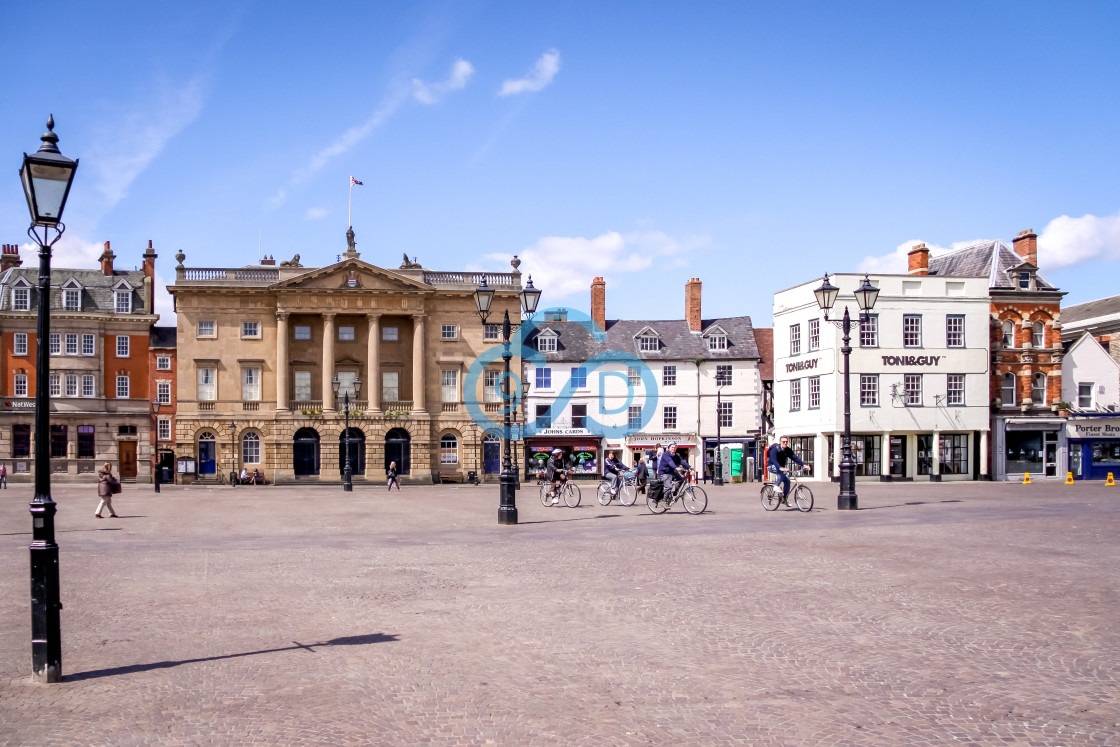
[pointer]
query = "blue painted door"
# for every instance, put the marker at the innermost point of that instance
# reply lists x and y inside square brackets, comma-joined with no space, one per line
[206,461]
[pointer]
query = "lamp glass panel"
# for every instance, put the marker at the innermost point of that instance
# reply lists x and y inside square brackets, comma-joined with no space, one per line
[49,183]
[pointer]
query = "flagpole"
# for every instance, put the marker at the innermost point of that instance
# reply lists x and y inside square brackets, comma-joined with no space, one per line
[350,203]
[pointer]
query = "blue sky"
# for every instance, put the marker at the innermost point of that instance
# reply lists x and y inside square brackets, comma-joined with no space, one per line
[752,145]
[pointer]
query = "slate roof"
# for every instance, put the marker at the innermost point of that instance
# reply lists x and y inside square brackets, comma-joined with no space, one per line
[764,339]
[97,289]
[1091,309]
[163,337]
[676,342]
[992,259]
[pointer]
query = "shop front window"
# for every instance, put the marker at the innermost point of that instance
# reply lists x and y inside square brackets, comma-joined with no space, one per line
[866,452]
[954,453]
[1024,451]
[925,453]
[803,447]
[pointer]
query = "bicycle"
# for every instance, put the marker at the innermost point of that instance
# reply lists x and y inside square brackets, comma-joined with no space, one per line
[801,494]
[693,497]
[627,491]
[568,491]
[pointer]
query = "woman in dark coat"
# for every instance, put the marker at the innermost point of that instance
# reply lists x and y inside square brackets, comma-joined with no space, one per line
[105,483]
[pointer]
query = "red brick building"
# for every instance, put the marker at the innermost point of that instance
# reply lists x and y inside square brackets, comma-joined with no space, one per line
[99,367]
[162,368]
[1026,352]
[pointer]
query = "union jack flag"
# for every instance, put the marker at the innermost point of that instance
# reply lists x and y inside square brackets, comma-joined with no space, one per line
[355,181]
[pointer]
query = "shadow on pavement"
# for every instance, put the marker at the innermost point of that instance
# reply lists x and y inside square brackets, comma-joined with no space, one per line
[353,640]
[910,503]
[578,518]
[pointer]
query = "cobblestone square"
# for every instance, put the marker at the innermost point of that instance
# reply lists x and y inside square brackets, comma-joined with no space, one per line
[971,613]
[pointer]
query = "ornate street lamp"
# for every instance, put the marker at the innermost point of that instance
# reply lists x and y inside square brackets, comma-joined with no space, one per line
[347,471]
[155,452]
[234,475]
[865,296]
[46,176]
[508,480]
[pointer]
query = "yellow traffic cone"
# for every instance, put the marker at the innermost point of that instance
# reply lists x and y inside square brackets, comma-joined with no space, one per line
[1110,482]
[1026,478]
[1069,478]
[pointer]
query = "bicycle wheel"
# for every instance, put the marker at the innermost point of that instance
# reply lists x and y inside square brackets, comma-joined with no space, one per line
[604,493]
[544,494]
[571,495]
[627,494]
[803,497]
[656,507]
[770,498]
[695,499]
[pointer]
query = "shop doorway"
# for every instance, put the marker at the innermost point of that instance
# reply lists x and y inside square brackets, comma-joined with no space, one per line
[207,454]
[491,455]
[305,452]
[126,459]
[398,448]
[1051,453]
[898,457]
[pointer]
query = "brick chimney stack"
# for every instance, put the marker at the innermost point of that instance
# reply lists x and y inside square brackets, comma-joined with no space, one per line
[150,261]
[10,257]
[269,260]
[918,260]
[1026,246]
[692,304]
[107,258]
[599,302]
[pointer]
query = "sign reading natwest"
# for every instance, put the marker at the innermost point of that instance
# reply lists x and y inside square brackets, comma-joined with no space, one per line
[20,404]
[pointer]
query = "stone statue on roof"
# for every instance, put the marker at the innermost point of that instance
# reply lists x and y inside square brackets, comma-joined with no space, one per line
[410,264]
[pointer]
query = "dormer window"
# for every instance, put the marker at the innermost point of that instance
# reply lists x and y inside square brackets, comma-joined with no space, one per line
[647,343]
[123,303]
[1024,281]
[21,295]
[546,344]
[71,295]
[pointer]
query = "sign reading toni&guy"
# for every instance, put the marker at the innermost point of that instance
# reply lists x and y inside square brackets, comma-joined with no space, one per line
[911,360]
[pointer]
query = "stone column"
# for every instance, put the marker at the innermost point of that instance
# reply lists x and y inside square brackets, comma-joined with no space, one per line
[837,453]
[885,456]
[983,453]
[281,360]
[328,362]
[373,365]
[935,473]
[418,379]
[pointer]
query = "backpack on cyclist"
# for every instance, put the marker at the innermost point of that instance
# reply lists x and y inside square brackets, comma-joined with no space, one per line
[656,490]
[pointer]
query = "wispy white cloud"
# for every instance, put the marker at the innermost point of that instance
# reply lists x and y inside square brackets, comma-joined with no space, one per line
[1066,241]
[897,261]
[316,213]
[460,74]
[540,76]
[138,132]
[570,262]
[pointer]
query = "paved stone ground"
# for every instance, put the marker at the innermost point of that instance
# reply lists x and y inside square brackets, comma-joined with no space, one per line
[970,613]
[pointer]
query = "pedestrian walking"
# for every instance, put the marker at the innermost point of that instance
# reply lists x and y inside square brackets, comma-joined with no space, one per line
[641,474]
[107,485]
[3,477]
[391,473]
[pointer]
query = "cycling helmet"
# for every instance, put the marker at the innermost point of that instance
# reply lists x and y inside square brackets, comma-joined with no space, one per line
[557,452]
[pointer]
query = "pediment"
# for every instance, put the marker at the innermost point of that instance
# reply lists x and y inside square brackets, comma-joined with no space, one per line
[352,275]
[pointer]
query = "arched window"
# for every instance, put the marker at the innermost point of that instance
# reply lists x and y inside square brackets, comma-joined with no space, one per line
[1008,391]
[449,449]
[251,448]
[1038,389]
[1038,339]
[1009,334]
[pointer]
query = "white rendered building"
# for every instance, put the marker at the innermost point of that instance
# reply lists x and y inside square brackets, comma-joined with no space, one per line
[920,367]
[630,385]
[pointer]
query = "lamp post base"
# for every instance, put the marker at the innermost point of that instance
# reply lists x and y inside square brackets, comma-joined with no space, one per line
[507,485]
[847,500]
[46,607]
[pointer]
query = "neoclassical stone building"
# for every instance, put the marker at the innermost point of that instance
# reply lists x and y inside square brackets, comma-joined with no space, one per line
[260,348]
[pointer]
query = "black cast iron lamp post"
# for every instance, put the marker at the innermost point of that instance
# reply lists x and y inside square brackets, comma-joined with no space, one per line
[507,481]
[347,471]
[155,452]
[234,474]
[866,295]
[46,176]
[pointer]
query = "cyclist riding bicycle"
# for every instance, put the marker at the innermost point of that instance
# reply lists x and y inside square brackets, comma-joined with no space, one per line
[777,458]
[669,470]
[612,470]
[555,473]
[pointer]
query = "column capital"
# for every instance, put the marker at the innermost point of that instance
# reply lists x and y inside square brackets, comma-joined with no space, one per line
[374,315]
[419,314]
[282,316]
[328,314]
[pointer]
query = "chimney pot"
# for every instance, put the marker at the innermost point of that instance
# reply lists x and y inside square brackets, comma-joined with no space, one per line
[1026,246]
